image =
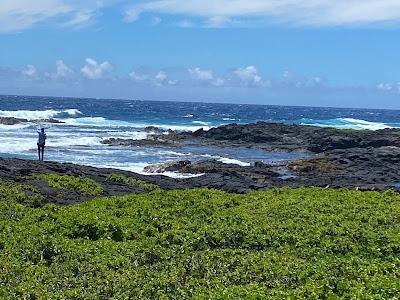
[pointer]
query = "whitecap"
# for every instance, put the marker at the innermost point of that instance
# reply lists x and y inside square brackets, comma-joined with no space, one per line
[68,141]
[201,123]
[347,123]
[103,122]
[15,145]
[97,122]
[14,127]
[227,160]
[40,114]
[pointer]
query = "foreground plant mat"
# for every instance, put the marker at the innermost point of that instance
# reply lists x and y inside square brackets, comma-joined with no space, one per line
[203,244]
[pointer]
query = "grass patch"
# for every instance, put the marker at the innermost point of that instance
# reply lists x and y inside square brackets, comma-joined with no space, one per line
[132,181]
[204,244]
[83,185]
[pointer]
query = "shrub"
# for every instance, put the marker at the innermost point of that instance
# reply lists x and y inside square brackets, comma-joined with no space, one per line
[133,182]
[22,193]
[204,244]
[83,185]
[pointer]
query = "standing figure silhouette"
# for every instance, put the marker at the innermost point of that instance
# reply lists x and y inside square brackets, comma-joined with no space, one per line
[41,143]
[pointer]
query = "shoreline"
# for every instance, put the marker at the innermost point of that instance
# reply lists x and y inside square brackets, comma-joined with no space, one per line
[364,160]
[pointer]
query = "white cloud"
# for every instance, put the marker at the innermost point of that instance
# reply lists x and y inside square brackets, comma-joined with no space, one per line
[131,15]
[385,86]
[249,76]
[185,24]
[30,72]
[389,86]
[203,75]
[17,15]
[173,82]
[161,76]
[218,22]
[93,70]
[80,19]
[298,12]
[206,76]
[158,78]
[138,76]
[62,70]
[294,80]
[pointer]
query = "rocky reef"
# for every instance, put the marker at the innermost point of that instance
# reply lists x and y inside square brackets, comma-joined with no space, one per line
[366,160]
[16,121]
[362,159]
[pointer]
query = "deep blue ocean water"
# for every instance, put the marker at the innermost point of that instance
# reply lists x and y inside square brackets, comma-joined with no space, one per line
[88,121]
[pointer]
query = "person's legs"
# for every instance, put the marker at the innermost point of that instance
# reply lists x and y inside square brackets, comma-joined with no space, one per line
[43,152]
[38,147]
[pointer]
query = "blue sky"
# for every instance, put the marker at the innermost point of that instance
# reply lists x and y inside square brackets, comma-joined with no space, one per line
[315,52]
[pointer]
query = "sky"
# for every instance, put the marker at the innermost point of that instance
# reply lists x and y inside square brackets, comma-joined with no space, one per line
[342,53]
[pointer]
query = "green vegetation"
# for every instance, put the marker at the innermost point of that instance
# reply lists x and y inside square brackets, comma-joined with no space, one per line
[21,193]
[133,182]
[348,130]
[203,244]
[395,132]
[83,185]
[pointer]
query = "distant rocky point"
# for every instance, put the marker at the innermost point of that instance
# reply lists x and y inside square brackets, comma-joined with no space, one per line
[14,121]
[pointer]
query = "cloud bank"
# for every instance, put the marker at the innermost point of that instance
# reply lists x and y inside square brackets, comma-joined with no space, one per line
[239,85]
[219,13]
[17,15]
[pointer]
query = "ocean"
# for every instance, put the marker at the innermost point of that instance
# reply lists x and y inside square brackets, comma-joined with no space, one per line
[89,121]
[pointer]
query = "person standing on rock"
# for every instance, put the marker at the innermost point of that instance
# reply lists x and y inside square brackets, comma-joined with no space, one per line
[41,143]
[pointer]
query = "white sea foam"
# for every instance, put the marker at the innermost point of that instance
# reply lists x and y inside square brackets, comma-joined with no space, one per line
[139,169]
[103,122]
[134,135]
[201,123]
[14,145]
[40,114]
[361,124]
[97,122]
[226,160]
[13,127]
[180,175]
[348,123]
[172,153]
[67,141]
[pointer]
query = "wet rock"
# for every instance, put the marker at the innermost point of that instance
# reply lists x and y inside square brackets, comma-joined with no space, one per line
[366,160]
[138,143]
[167,167]
[283,137]
[51,121]
[15,121]
[11,121]
[153,129]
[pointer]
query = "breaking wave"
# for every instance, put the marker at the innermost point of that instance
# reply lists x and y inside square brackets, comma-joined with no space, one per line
[348,123]
[41,114]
